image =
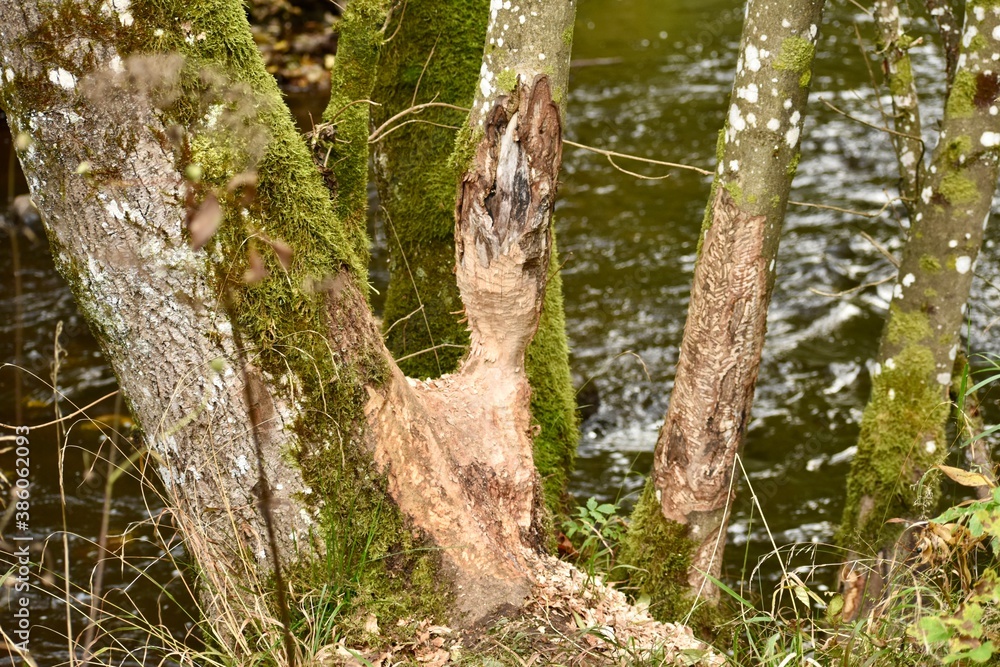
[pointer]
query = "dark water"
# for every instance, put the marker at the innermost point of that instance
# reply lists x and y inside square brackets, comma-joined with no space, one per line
[653,79]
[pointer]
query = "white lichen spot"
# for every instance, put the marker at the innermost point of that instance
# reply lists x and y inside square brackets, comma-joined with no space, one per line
[892,394]
[522,19]
[242,466]
[774,124]
[752,119]
[909,279]
[785,23]
[787,103]
[944,378]
[890,364]
[115,64]
[953,243]
[736,119]
[897,291]
[930,446]
[963,264]
[876,370]
[926,194]
[752,57]
[953,352]
[734,165]
[990,139]
[748,93]
[63,78]
[792,137]
[9,75]
[541,56]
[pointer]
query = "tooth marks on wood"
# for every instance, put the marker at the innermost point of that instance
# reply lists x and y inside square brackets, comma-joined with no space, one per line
[502,221]
[509,192]
[730,288]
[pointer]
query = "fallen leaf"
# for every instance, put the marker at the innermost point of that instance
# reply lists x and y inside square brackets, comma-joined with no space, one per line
[257,270]
[205,222]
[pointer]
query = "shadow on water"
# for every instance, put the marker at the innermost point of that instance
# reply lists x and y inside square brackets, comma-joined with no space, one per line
[653,79]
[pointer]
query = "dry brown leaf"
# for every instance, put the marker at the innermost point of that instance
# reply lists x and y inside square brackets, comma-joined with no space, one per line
[205,222]
[283,251]
[965,477]
[257,270]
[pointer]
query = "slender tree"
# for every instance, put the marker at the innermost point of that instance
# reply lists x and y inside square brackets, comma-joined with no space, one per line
[679,524]
[432,58]
[230,298]
[903,426]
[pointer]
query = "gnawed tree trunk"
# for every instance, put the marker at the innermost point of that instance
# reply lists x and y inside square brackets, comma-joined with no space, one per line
[134,159]
[903,426]
[433,57]
[679,526]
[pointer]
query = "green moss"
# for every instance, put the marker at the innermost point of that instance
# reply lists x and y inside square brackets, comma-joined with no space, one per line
[553,401]
[907,327]
[930,264]
[793,165]
[906,411]
[961,101]
[930,293]
[735,191]
[659,554]
[805,78]
[901,81]
[958,149]
[775,201]
[567,36]
[507,80]
[351,83]
[958,189]
[978,43]
[796,54]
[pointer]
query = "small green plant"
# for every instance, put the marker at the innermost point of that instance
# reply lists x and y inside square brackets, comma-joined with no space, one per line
[600,530]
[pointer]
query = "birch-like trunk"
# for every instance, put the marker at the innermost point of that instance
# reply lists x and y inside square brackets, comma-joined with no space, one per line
[686,507]
[260,379]
[903,426]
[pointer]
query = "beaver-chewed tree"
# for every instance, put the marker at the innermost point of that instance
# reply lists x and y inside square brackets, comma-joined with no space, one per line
[228,290]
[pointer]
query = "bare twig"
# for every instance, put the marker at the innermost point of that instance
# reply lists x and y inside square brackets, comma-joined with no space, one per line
[625,156]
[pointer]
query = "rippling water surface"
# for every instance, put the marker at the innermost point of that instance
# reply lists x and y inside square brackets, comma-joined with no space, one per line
[652,78]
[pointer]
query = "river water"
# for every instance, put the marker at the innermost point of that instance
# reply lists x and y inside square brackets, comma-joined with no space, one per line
[653,79]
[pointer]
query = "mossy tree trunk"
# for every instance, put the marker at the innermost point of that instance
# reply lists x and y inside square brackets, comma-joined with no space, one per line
[679,526]
[903,426]
[433,57]
[230,299]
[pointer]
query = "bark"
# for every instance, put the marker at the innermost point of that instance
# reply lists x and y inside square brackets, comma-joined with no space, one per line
[724,335]
[902,429]
[433,57]
[906,141]
[133,156]
[944,13]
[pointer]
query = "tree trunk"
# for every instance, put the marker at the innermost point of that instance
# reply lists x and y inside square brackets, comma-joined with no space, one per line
[902,429]
[433,57]
[235,356]
[909,148]
[679,526]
